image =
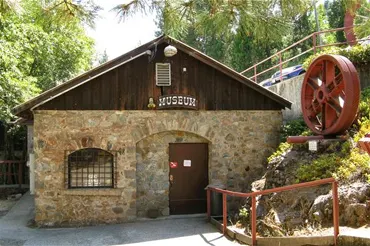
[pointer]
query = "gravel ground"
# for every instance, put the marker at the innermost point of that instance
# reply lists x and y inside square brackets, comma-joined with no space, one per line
[188,231]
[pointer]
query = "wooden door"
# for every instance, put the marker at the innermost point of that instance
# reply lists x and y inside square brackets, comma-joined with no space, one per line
[188,177]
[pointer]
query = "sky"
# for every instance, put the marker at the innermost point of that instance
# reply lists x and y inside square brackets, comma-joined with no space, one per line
[118,38]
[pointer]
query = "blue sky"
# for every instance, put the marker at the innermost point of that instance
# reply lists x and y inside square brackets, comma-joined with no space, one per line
[118,38]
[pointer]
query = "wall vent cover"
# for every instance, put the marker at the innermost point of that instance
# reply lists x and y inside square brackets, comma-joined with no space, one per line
[163,74]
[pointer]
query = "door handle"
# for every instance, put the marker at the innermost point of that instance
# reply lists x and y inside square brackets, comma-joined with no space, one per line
[171,180]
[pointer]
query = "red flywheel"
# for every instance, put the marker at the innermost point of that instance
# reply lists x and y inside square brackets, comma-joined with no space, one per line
[330,95]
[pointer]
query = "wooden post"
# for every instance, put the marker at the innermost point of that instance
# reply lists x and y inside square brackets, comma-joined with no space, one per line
[224,210]
[314,42]
[209,204]
[9,172]
[335,211]
[20,174]
[254,221]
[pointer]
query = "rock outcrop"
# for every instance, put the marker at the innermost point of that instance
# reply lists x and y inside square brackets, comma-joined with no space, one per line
[282,213]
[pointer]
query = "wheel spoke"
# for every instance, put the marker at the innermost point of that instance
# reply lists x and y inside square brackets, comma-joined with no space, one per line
[313,83]
[330,116]
[323,116]
[329,72]
[334,104]
[337,86]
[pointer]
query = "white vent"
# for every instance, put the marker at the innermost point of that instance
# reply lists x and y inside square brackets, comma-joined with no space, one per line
[163,74]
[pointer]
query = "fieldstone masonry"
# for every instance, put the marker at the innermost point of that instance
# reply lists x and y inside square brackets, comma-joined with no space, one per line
[239,143]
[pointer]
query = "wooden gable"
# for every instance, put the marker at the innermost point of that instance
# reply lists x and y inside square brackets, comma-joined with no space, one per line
[127,83]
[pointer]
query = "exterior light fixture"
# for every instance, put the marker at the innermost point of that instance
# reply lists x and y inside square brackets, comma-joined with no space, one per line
[170,51]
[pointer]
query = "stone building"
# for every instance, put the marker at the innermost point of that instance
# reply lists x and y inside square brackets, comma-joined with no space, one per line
[147,132]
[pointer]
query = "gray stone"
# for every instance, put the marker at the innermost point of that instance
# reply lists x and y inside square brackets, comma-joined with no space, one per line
[153,213]
[230,137]
[130,174]
[14,197]
[117,210]
[258,184]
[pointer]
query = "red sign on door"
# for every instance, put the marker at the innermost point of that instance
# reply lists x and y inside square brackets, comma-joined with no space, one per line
[173,164]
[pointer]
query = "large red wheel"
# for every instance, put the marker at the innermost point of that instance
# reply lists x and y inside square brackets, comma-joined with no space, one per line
[330,95]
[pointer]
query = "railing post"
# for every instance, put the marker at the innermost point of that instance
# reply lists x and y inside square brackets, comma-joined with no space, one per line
[314,42]
[335,211]
[209,204]
[224,210]
[254,221]
[280,67]
[255,73]
[20,174]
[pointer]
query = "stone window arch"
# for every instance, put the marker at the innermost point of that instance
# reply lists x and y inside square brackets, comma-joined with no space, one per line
[91,168]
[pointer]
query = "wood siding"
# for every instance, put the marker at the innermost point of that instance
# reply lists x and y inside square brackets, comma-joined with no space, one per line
[130,86]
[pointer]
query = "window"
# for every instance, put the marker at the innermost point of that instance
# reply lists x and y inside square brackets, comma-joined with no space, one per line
[163,74]
[90,168]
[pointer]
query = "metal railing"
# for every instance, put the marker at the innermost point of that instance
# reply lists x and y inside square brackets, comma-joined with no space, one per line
[314,37]
[12,172]
[253,195]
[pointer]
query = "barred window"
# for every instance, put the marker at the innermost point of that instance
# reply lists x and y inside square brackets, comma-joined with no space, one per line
[90,168]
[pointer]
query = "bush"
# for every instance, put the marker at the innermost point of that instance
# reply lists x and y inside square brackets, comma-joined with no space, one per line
[359,55]
[293,128]
[321,168]
[283,148]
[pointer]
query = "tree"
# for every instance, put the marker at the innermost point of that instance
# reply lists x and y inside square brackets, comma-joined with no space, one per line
[36,53]
[261,18]
[362,19]
[103,58]
[335,12]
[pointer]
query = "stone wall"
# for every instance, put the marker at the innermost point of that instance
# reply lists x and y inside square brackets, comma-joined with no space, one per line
[239,143]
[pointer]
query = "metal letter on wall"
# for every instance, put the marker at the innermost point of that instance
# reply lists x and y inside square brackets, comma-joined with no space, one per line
[177,101]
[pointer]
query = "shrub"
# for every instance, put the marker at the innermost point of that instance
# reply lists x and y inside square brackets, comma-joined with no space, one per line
[322,167]
[358,54]
[244,216]
[293,128]
[343,165]
[283,148]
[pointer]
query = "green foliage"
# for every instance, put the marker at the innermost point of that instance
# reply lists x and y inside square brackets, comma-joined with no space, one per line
[336,11]
[323,167]
[362,20]
[244,216]
[363,119]
[283,148]
[330,50]
[37,53]
[359,55]
[342,164]
[39,49]
[294,128]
